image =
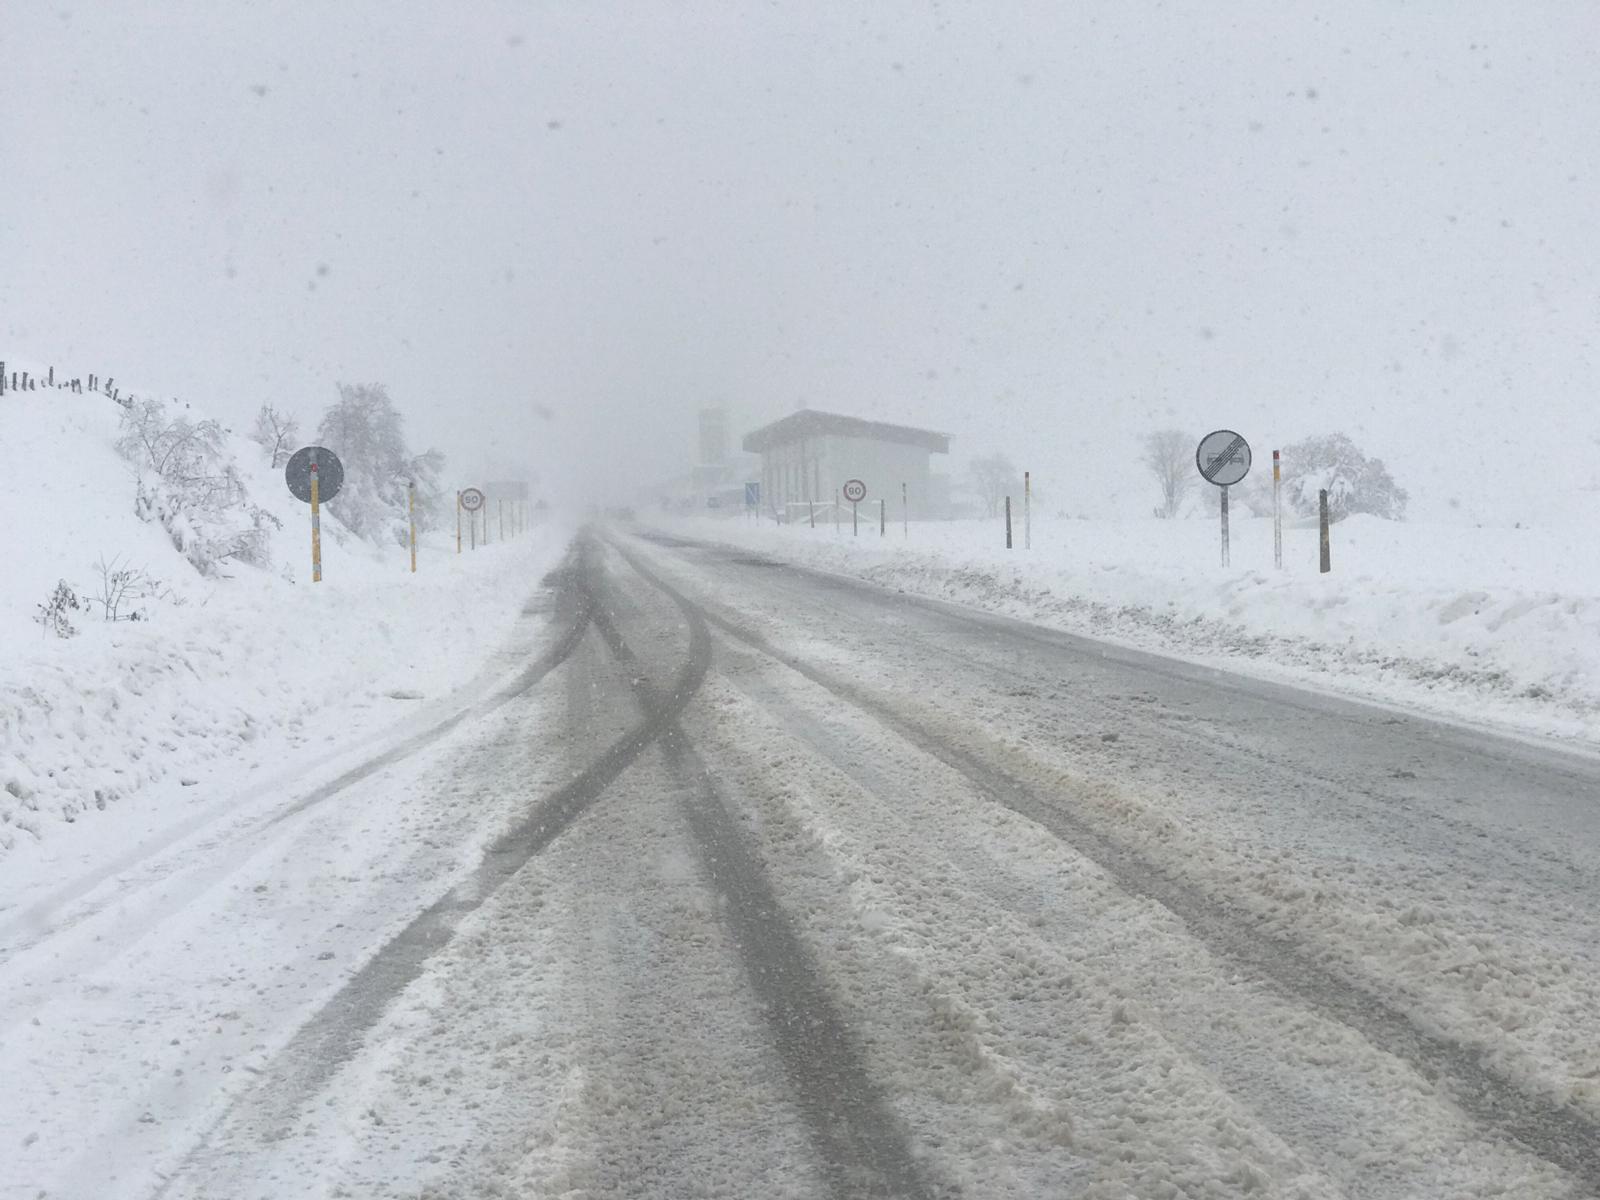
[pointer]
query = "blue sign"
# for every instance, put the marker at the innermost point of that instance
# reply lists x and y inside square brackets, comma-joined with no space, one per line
[752,495]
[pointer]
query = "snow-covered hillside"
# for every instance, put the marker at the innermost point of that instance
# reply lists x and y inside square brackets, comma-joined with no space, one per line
[224,672]
[1486,623]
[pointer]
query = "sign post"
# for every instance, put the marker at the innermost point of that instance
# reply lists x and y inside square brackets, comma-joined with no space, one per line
[1224,459]
[314,474]
[458,522]
[855,491]
[472,501]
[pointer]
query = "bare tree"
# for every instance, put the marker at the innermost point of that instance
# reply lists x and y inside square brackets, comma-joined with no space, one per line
[995,477]
[1169,453]
[276,433]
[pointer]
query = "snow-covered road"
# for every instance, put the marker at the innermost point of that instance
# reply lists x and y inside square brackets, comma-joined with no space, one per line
[754,881]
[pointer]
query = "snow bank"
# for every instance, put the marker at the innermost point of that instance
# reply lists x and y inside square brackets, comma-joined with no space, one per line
[1500,625]
[247,664]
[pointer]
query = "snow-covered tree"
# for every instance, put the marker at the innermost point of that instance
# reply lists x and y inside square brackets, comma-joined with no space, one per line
[367,432]
[1354,482]
[1169,454]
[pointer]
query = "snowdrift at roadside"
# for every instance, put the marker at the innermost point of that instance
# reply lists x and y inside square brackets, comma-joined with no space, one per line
[222,671]
[1498,625]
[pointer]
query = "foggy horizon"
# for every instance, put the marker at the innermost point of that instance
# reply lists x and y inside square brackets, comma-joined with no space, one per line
[1043,231]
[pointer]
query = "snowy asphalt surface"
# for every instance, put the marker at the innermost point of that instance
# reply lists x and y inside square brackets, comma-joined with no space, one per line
[751,881]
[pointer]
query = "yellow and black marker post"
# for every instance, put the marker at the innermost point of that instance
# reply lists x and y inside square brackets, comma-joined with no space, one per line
[1277,512]
[316,524]
[411,512]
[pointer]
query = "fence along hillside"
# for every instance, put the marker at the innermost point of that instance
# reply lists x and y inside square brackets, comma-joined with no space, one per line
[16,380]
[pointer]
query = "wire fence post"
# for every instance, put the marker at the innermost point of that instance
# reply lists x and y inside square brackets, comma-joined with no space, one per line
[1008,522]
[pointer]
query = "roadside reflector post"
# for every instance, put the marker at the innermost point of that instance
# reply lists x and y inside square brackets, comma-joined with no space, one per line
[1322,520]
[1027,510]
[502,506]
[905,511]
[1277,513]
[316,525]
[811,507]
[883,517]
[1224,525]
[458,522]
[411,512]
[1008,522]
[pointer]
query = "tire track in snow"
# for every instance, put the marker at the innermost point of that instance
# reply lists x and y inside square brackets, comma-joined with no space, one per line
[321,1046]
[1557,1133]
[862,1148]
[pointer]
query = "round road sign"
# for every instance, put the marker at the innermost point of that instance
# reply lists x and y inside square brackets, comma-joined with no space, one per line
[330,474]
[472,499]
[1223,457]
[855,491]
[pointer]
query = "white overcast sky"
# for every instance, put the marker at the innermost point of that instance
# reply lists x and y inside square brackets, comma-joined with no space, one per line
[1043,228]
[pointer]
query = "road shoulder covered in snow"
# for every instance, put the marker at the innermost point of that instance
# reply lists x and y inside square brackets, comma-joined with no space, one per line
[126,725]
[1499,627]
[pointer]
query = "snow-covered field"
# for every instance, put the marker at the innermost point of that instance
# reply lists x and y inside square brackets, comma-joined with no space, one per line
[1491,624]
[131,725]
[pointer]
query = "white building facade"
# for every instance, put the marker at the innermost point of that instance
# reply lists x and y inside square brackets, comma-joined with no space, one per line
[808,456]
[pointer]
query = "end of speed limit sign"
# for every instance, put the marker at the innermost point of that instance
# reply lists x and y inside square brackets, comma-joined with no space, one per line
[1223,457]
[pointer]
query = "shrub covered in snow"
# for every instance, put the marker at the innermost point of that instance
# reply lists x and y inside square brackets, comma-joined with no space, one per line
[53,613]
